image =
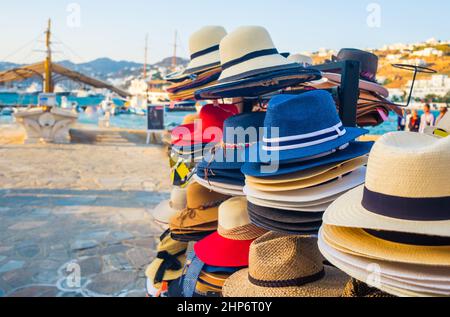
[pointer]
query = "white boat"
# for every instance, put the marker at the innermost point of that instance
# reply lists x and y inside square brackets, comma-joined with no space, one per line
[7,111]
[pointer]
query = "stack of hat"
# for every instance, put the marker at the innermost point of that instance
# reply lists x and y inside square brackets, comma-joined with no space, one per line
[220,170]
[204,67]
[221,254]
[285,266]
[200,216]
[167,267]
[373,107]
[298,172]
[393,233]
[168,208]
[252,67]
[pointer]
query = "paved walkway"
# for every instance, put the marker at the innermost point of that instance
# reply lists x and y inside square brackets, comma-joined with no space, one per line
[74,218]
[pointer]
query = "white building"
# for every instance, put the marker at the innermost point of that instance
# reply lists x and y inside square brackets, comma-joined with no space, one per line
[428,52]
[438,85]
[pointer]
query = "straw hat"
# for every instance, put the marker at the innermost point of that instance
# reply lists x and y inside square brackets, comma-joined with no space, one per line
[169,262]
[407,188]
[306,182]
[229,246]
[442,128]
[285,266]
[204,48]
[202,208]
[318,206]
[333,188]
[249,51]
[168,208]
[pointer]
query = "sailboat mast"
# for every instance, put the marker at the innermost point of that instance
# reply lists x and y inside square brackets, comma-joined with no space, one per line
[174,58]
[145,57]
[48,85]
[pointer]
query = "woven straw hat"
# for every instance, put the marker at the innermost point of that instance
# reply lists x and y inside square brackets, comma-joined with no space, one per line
[168,208]
[321,178]
[285,266]
[407,188]
[201,210]
[249,51]
[204,48]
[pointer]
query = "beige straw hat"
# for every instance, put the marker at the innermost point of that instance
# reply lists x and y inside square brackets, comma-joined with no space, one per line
[442,128]
[204,48]
[168,208]
[407,188]
[249,51]
[285,266]
[315,193]
[328,175]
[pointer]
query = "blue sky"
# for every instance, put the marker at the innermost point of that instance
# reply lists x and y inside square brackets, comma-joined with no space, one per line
[117,28]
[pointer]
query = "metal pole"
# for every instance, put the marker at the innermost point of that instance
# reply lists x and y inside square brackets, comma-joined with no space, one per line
[349,93]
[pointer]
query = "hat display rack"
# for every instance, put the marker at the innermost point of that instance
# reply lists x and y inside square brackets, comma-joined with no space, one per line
[233,232]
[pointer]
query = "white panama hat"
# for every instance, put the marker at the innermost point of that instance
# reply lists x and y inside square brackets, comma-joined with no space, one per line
[168,208]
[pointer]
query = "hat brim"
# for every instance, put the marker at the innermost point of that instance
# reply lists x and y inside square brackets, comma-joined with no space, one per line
[295,207]
[365,275]
[202,218]
[308,174]
[285,227]
[285,216]
[221,160]
[169,275]
[203,63]
[355,149]
[219,188]
[190,237]
[332,285]
[363,84]
[163,212]
[216,250]
[315,193]
[259,85]
[194,137]
[234,174]
[313,181]
[358,242]
[261,155]
[347,211]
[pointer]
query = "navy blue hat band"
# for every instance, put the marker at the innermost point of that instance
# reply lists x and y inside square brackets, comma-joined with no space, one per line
[249,56]
[205,51]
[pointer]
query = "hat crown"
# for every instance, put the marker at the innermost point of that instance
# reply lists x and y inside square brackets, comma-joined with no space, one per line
[178,198]
[410,165]
[368,61]
[236,128]
[244,40]
[233,213]
[215,115]
[301,59]
[303,114]
[205,38]
[200,197]
[276,257]
[171,246]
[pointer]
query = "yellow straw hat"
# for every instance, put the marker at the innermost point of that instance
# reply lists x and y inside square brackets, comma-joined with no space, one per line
[285,266]
[407,188]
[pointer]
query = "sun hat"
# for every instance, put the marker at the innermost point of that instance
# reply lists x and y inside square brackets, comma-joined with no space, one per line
[283,215]
[415,201]
[169,262]
[307,174]
[311,207]
[368,71]
[201,209]
[286,228]
[322,178]
[285,266]
[333,188]
[301,59]
[224,189]
[442,128]
[166,209]
[308,125]
[229,246]
[211,116]
[354,150]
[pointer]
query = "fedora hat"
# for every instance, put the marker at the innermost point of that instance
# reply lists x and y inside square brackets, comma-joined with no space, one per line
[321,178]
[307,126]
[169,262]
[201,210]
[166,209]
[354,150]
[229,246]
[285,266]
[406,191]
[311,207]
[204,48]
[320,192]
[211,116]
[368,69]
[442,128]
[224,189]
[283,215]
[287,228]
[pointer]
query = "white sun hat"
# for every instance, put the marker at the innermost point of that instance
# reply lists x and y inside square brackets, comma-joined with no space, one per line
[301,59]
[442,128]
[407,188]
[249,51]
[168,208]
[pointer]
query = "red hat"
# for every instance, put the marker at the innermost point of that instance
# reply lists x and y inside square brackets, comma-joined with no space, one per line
[211,116]
[230,245]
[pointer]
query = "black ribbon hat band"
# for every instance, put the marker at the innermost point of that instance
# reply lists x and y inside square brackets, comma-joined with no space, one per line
[414,209]
[205,51]
[289,283]
[249,56]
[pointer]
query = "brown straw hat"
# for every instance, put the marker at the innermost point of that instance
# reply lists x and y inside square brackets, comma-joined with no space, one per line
[201,211]
[285,266]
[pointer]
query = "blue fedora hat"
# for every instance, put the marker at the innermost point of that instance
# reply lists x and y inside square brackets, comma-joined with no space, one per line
[235,174]
[299,127]
[261,84]
[239,132]
[354,150]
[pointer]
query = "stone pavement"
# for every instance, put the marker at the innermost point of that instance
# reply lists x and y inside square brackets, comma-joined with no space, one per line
[74,218]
